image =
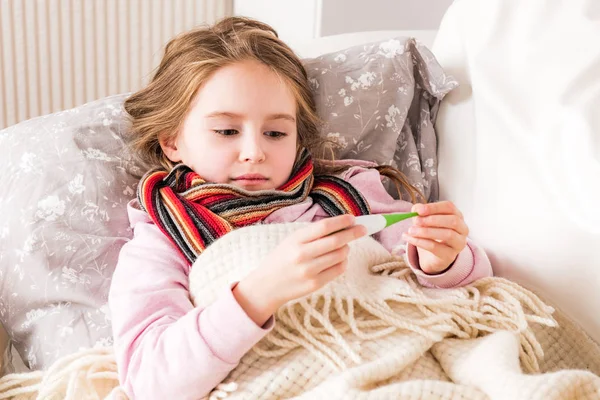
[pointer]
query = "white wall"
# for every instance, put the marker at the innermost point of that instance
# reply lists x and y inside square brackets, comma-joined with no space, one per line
[294,20]
[341,16]
[297,21]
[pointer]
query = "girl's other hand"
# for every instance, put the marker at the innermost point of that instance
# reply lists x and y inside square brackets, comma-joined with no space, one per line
[303,263]
[439,233]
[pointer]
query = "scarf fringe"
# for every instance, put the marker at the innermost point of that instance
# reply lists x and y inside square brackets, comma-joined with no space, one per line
[488,305]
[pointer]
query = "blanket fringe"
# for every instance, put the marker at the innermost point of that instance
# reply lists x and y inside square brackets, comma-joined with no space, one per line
[487,305]
[88,374]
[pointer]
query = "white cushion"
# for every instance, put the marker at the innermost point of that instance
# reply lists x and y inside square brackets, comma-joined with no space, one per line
[327,44]
[519,142]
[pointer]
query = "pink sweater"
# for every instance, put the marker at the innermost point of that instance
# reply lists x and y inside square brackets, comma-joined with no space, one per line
[167,349]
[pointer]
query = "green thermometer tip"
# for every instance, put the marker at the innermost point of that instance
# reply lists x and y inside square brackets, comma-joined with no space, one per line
[391,219]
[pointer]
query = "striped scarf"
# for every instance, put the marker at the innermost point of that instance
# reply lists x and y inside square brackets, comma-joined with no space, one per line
[193,213]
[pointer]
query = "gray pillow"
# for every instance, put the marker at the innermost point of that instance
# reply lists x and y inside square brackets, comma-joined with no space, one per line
[379,102]
[5,359]
[66,182]
[67,179]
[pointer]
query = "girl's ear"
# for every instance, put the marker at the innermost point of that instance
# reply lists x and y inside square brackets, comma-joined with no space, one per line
[169,147]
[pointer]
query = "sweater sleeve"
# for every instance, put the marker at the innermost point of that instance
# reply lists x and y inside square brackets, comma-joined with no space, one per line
[165,348]
[471,264]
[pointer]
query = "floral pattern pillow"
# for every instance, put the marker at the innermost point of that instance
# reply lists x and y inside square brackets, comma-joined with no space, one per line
[66,181]
[67,178]
[379,102]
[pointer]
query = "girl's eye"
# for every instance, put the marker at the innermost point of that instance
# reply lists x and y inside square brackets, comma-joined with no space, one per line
[275,134]
[226,132]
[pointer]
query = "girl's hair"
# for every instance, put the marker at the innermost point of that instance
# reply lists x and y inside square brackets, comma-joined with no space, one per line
[159,109]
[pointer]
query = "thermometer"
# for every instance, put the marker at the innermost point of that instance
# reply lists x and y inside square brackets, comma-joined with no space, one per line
[376,222]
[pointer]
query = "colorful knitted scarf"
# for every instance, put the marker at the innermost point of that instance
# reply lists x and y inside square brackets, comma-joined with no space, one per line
[193,213]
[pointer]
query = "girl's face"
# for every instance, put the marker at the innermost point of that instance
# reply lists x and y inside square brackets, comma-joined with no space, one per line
[240,130]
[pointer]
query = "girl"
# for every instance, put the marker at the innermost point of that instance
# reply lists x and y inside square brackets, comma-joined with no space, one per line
[229,126]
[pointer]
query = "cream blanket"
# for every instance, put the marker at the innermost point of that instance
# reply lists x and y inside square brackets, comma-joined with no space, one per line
[376,333]
[372,333]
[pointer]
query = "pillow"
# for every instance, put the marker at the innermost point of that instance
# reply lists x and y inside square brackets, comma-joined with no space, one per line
[519,142]
[4,351]
[70,177]
[66,181]
[379,102]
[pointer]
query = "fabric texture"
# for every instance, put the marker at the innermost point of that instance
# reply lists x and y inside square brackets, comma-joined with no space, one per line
[490,340]
[66,181]
[529,78]
[379,102]
[193,213]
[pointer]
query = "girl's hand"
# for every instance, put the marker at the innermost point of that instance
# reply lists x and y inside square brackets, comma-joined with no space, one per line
[304,262]
[439,233]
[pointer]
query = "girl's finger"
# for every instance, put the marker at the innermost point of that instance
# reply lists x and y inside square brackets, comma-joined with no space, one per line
[334,241]
[449,237]
[324,227]
[443,221]
[440,207]
[321,263]
[441,250]
[329,274]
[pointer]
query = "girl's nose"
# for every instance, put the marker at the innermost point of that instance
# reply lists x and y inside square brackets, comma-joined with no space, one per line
[252,150]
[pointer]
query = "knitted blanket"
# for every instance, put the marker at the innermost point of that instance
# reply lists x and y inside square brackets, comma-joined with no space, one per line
[373,333]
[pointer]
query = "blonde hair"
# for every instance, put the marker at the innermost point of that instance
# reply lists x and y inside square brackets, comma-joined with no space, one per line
[158,110]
